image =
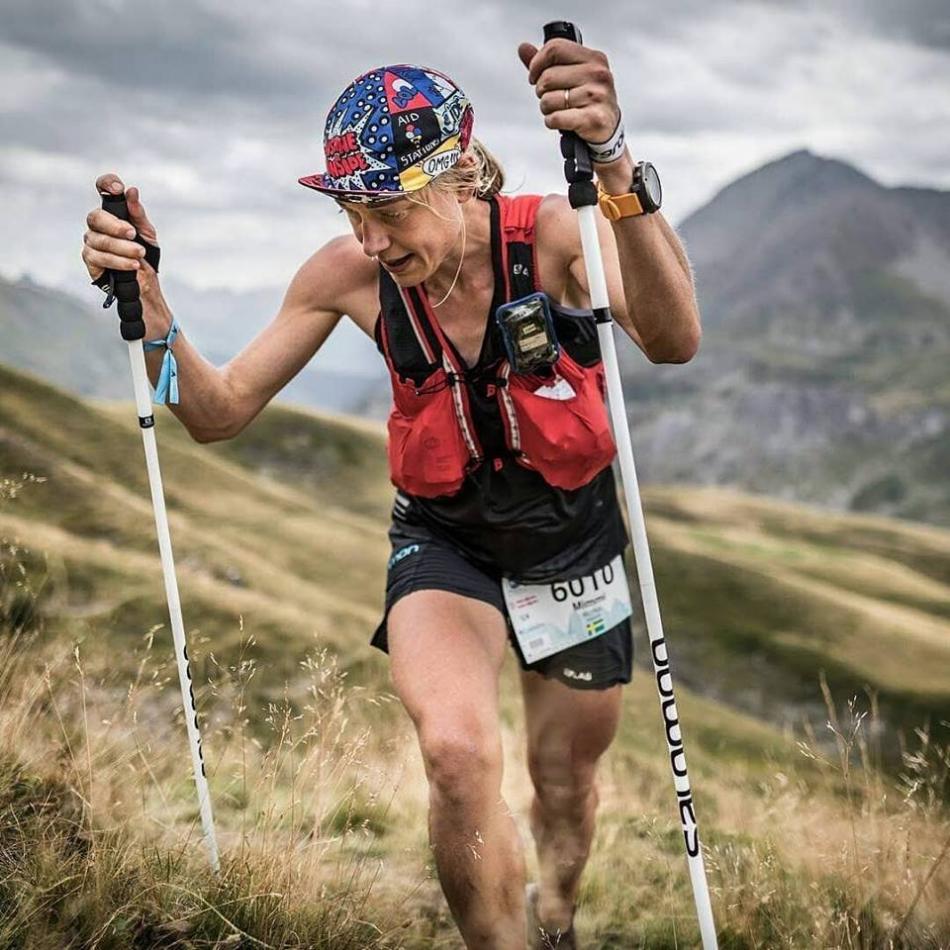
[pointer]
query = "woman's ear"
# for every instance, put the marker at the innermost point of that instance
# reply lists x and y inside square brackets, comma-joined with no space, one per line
[466,162]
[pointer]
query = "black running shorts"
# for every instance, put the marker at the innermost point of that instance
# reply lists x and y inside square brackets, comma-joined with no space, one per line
[422,561]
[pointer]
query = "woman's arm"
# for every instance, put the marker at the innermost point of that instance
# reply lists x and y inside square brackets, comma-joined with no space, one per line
[661,312]
[217,403]
[649,280]
[316,299]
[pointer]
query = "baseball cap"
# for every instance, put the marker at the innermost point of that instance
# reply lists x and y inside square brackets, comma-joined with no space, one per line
[392,131]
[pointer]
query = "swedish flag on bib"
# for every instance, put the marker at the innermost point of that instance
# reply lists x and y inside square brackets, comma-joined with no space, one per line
[594,627]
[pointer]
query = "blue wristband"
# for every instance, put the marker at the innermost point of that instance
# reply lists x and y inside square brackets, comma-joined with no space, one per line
[167,389]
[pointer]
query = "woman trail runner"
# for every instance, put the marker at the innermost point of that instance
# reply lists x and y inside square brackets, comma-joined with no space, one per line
[505,527]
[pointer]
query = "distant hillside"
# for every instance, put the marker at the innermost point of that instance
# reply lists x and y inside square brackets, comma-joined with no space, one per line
[72,342]
[281,555]
[823,371]
[61,339]
[286,525]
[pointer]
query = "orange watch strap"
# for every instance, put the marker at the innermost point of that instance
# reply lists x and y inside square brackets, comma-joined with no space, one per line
[615,207]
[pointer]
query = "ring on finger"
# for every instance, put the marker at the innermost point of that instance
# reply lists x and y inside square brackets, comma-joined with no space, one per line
[567,98]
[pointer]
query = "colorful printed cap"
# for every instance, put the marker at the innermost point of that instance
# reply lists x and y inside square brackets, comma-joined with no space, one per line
[391,131]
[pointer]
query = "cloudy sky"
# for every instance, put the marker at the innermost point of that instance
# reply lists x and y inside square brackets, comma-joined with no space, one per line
[215,107]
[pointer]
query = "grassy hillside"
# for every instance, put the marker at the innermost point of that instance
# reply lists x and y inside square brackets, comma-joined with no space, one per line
[294,565]
[769,594]
[280,544]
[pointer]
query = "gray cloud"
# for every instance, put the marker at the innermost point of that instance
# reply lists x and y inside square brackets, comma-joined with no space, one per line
[139,46]
[215,108]
[924,22]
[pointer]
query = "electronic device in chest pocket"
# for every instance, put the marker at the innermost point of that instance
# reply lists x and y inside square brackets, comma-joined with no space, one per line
[528,333]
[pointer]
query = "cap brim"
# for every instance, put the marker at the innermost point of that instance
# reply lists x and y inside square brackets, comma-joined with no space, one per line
[320,182]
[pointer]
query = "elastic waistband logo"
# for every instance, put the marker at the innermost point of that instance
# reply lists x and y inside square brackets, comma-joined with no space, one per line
[403,553]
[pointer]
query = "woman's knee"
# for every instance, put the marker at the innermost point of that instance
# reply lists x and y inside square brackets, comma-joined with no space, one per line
[565,786]
[569,731]
[463,760]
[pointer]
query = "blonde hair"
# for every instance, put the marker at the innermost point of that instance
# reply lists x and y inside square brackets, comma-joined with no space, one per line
[484,175]
[477,173]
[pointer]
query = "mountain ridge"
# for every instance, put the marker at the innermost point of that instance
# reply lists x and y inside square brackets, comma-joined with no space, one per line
[821,375]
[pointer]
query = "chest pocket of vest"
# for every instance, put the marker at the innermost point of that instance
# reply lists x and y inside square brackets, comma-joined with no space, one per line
[427,457]
[561,423]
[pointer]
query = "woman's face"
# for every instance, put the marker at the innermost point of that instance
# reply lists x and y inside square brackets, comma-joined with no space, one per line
[409,239]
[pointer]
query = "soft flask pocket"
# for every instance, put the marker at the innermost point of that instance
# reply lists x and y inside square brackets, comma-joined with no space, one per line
[563,424]
[427,452]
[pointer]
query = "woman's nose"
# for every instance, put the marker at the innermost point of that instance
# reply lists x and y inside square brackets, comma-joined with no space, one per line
[374,239]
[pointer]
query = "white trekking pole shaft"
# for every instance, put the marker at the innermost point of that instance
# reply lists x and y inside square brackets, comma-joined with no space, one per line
[583,197]
[126,292]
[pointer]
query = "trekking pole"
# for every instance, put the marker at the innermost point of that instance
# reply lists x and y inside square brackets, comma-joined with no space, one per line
[582,193]
[124,288]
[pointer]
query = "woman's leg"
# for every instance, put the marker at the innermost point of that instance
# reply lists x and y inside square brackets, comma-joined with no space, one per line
[568,730]
[446,653]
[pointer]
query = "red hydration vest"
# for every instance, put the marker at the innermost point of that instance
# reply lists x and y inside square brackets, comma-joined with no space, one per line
[555,424]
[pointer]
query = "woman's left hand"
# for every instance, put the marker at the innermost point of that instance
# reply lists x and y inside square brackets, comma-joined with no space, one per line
[575,87]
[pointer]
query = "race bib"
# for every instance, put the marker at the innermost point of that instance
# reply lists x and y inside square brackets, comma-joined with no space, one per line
[548,618]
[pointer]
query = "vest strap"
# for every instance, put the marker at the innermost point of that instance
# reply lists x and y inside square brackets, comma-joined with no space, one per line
[415,341]
[519,250]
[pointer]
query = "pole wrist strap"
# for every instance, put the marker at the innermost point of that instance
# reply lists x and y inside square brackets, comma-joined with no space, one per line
[612,149]
[167,389]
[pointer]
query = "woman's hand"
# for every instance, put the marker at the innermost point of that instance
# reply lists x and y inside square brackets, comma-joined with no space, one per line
[575,87]
[108,244]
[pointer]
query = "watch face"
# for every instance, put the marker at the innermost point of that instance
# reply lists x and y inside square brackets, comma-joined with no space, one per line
[651,182]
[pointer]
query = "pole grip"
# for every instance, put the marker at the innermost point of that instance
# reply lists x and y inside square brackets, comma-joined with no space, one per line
[124,284]
[578,169]
[562,29]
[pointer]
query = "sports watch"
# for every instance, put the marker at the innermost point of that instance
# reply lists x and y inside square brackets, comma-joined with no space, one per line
[644,197]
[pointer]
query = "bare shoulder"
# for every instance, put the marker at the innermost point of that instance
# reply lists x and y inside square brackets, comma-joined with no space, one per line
[564,277]
[340,278]
[556,223]
[558,243]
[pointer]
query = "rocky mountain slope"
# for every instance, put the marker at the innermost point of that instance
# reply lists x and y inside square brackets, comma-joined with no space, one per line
[824,373]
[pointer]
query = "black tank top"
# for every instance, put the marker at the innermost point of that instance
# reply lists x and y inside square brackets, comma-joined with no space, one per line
[506,518]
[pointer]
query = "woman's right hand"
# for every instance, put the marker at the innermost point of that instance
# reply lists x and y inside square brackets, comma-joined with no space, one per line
[108,242]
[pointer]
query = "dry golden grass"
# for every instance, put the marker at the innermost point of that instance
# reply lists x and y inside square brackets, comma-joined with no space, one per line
[316,779]
[322,822]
